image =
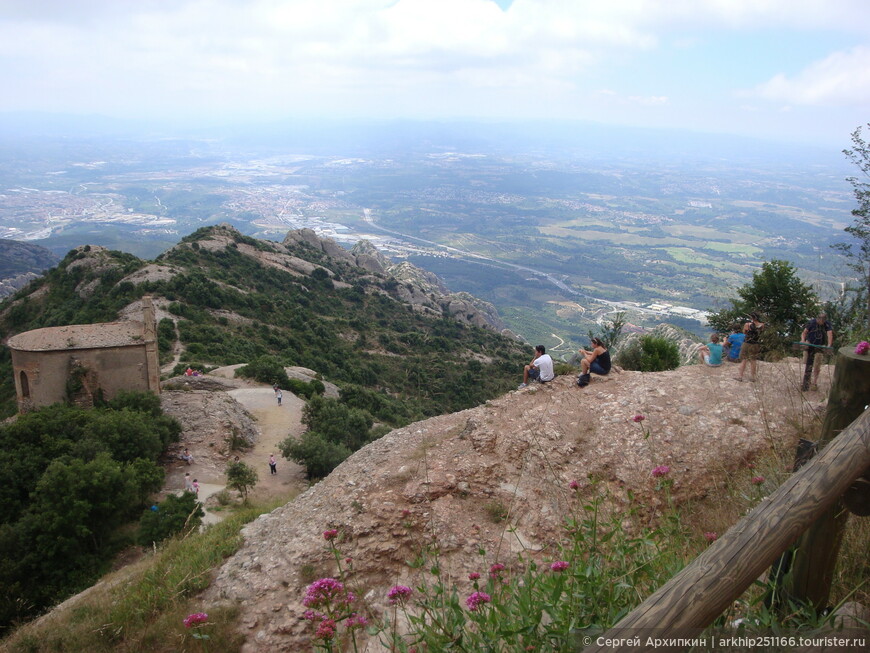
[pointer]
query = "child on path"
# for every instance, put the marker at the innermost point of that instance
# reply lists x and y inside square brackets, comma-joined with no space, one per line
[196,488]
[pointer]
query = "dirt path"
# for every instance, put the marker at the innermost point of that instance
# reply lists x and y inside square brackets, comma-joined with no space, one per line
[276,423]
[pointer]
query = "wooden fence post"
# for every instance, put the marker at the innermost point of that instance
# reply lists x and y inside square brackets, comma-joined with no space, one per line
[816,553]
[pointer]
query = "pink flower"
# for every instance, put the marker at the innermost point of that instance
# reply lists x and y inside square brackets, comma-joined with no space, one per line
[326,592]
[398,594]
[710,536]
[574,485]
[559,565]
[476,600]
[661,470]
[313,615]
[496,569]
[473,575]
[862,347]
[638,418]
[195,619]
[757,480]
[330,534]
[356,621]
[326,629]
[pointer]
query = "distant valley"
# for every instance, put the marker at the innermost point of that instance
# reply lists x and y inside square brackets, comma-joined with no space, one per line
[556,233]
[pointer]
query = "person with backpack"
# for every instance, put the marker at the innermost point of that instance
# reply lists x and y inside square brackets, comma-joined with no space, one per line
[817,333]
[751,346]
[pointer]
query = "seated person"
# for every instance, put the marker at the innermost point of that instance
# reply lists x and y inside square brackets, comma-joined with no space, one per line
[597,360]
[540,369]
[186,456]
[711,353]
[735,344]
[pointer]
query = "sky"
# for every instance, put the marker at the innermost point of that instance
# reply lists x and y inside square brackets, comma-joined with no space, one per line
[785,70]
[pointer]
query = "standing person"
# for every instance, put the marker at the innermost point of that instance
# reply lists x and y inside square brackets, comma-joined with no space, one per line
[188,484]
[817,332]
[272,464]
[279,395]
[711,353]
[540,369]
[735,343]
[597,360]
[195,486]
[751,346]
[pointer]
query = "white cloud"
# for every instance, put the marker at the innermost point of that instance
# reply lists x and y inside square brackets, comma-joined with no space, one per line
[841,79]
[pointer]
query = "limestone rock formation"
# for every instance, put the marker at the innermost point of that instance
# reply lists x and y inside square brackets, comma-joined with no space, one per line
[439,482]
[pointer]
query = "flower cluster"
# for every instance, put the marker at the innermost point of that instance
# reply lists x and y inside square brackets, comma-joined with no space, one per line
[495,570]
[574,485]
[757,480]
[195,619]
[330,534]
[473,575]
[710,536]
[356,621]
[399,594]
[559,565]
[638,418]
[326,630]
[476,600]
[661,470]
[862,348]
[327,592]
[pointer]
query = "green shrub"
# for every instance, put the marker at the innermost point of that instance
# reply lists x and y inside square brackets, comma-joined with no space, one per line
[315,452]
[265,369]
[175,514]
[650,354]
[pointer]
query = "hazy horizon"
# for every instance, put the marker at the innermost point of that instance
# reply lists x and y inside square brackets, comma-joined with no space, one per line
[779,70]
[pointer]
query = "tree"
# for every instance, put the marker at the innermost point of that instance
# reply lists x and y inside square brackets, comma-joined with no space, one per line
[175,514]
[858,251]
[241,477]
[776,292]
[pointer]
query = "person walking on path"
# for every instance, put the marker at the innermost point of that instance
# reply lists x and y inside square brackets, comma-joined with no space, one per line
[273,464]
[817,333]
[279,394]
[540,369]
[196,488]
[188,484]
[751,346]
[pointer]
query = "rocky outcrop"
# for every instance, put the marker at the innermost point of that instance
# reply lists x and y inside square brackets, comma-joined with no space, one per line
[438,483]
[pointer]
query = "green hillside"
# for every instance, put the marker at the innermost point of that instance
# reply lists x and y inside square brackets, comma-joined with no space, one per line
[230,302]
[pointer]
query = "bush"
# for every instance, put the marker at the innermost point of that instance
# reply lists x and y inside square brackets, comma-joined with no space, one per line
[315,452]
[175,514]
[265,369]
[650,354]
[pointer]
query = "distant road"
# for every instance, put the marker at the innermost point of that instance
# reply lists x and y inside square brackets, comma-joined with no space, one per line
[485,260]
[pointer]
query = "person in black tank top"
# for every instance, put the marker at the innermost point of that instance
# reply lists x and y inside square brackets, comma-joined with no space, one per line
[751,346]
[597,360]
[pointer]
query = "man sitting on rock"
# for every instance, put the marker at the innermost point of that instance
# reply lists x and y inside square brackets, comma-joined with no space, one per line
[540,369]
